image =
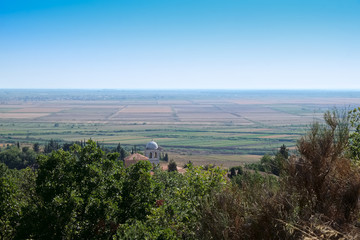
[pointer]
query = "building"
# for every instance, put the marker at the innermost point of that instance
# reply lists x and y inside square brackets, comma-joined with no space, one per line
[153,152]
[134,158]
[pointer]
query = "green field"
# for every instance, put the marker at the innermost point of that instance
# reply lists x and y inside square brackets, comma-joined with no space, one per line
[221,126]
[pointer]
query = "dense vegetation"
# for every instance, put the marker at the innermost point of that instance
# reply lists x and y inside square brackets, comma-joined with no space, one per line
[86,193]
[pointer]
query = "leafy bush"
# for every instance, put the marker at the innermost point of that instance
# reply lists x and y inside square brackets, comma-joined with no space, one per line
[172,166]
[234,171]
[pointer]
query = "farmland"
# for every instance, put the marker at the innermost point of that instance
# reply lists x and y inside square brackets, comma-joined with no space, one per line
[223,127]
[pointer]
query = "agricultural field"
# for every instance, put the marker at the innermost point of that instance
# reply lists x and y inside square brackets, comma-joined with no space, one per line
[218,127]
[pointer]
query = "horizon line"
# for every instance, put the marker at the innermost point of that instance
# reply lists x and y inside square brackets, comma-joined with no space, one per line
[192,89]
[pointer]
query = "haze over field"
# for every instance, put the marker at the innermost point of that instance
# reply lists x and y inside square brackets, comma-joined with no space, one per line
[222,127]
[158,44]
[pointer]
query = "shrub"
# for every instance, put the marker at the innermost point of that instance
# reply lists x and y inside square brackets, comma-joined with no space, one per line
[172,166]
[238,170]
[324,179]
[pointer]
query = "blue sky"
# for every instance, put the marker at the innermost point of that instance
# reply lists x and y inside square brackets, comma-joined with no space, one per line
[180,44]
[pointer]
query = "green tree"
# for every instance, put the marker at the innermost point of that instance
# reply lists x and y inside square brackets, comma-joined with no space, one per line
[275,164]
[78,195]
[354,144]
[36,147]
[284,152]
[175,213]
[138,194]
[121,151]
[238,170]
[17,158]
[16,192]
[172,166]
[52,145]
[10,209]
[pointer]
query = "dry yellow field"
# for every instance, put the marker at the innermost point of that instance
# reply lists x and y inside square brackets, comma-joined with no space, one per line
[223,160]
[146,109]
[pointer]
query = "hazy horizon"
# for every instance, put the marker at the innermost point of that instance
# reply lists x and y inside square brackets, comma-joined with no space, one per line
[192,89]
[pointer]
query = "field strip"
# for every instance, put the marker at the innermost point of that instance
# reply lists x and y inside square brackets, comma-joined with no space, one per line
[277,136]
[224,160]
[116,113]
[22,115]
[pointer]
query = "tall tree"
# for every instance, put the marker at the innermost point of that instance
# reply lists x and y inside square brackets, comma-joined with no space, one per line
[78,192]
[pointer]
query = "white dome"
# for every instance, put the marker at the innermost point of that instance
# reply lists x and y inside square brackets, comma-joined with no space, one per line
[152,145]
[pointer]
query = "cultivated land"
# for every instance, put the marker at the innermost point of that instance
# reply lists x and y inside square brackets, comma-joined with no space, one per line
[221,127]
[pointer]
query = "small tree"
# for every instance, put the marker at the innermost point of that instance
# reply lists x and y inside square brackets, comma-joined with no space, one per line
[119,149]
[189,164]
[52,145]
[36,147]
[235,171]
[284,152]
[172,167]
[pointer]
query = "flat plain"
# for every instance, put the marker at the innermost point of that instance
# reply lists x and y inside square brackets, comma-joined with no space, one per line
[221,127]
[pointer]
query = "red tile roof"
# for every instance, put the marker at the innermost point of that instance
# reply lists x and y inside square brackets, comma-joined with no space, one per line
[134,158]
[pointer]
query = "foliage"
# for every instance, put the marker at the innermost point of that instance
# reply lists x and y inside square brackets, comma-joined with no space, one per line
[238,170]
[176,211]
[138,193]
[354,143]
[315,197]
[166,157]
[271,164]
[143,230]
[256,166]
[36,147]
[244,211]
[18,158]
[284,152]
[10,210]
[172,166]
[122,153]
[78,194]
[16,190]
[324,178]
[52,145]
[188,164]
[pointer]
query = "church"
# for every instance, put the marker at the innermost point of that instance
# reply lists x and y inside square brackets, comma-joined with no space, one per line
[152,153]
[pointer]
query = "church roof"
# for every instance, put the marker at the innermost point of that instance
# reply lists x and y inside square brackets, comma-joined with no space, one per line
[134,158]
